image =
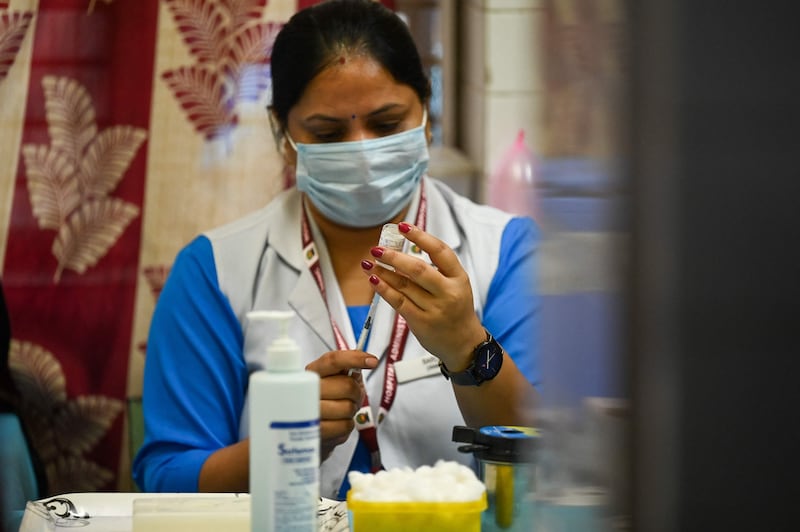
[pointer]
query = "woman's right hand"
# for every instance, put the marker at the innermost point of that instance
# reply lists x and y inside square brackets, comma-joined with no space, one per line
[340,394]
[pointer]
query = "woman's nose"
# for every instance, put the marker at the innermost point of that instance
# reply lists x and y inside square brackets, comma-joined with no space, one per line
[359,132]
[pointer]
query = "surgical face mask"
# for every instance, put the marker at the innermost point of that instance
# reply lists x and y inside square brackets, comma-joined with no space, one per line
[362,183]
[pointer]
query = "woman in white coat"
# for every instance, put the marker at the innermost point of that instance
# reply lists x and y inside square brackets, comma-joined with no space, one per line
[454,336]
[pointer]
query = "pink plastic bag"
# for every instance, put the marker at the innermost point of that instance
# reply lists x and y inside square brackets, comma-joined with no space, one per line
[512,185]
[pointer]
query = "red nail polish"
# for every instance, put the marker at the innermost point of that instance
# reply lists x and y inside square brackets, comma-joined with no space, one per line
[376,252]
[374,279]
[404,227]
[367,265]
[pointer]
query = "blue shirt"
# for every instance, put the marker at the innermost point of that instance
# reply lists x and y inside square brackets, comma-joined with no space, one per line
[179,438]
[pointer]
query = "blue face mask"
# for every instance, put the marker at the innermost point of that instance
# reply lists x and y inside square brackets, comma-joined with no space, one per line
[362,183]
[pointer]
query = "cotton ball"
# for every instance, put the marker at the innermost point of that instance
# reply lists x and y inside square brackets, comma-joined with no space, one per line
[446,481]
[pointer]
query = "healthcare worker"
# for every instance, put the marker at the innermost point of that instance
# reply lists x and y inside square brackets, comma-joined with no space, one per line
[453,340]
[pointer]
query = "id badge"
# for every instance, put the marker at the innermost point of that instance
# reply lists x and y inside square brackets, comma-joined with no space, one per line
[416,368]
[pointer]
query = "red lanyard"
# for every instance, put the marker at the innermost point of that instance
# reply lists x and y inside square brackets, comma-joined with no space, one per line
[367,428]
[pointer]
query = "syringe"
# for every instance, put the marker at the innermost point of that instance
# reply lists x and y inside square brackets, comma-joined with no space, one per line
[390,238]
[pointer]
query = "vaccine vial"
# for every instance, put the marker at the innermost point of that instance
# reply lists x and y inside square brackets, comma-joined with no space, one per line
[391,238]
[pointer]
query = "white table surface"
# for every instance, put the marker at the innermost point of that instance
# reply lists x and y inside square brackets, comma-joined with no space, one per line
[113,512]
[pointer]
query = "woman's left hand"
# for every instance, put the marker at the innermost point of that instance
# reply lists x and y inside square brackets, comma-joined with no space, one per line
[436,300]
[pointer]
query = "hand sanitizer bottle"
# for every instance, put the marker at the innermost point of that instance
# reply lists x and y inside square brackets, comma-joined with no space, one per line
[284,437]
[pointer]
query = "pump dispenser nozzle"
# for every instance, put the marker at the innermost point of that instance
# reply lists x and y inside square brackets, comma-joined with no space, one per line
[283,354]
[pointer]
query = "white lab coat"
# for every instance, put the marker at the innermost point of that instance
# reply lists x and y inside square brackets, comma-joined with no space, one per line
[265,248]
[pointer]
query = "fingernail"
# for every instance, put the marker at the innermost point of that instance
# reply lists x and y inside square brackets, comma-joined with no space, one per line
[374,279]
[367,265]
[376,252]
[371,362]
[404,227]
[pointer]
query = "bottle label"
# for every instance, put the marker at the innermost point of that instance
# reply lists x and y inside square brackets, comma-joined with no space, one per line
[296,460]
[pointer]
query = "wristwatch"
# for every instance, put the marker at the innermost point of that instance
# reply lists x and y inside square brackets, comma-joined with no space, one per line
[486,362]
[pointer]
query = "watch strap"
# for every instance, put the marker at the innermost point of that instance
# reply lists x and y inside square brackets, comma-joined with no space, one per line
[469,377]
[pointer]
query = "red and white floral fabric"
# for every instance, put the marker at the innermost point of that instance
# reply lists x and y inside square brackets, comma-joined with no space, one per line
[126,128]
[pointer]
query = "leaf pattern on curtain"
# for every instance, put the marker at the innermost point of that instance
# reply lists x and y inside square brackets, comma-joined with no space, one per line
[108,157]
[13,27]
[202,94]
[243,11]
[232,49]
[62,430]
[203,27]
[90,232]
[52,185]
[70,180]
[70,116]
[245,66]
[156,276]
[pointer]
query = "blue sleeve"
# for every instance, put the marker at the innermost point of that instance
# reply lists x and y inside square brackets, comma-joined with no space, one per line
[512,309]
[195,377]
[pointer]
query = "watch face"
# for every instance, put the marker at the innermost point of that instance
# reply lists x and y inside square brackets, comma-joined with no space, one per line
[489,360]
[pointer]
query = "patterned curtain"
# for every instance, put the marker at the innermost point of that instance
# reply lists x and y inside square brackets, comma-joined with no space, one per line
[126,128]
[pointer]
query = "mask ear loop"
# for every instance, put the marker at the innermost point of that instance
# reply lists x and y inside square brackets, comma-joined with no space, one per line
[277,135]
[426,126]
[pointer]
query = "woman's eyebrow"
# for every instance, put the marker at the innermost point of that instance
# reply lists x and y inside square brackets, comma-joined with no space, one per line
[387,107]
[324,118]
[378,111]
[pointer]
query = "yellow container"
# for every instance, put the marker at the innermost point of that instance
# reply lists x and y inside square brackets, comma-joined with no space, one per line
[368,516]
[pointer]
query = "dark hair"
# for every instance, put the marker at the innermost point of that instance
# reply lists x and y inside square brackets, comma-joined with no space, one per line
[313,38]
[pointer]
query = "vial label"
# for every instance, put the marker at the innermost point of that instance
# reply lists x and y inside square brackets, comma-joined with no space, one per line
[391,238]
